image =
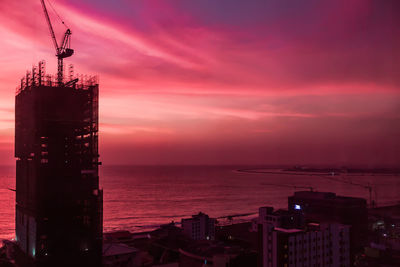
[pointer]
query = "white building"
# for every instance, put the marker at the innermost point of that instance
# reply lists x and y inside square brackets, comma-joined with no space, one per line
[199,227]
[315,245]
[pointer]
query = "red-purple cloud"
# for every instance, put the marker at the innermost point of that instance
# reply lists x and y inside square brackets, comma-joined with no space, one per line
[224,81]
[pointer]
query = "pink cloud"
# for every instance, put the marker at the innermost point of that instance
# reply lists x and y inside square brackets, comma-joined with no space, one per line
[169,77]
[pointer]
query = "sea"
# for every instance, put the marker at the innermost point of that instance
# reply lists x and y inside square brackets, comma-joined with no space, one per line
[140,198]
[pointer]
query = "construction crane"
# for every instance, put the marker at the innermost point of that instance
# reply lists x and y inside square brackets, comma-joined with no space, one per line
[63,50]
[371,190]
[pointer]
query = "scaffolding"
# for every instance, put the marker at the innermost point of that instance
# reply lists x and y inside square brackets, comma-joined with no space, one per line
[38,77]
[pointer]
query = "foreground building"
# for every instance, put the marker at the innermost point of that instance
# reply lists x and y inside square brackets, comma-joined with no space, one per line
[58,200]
[328,207]
[319,245]
[312,245]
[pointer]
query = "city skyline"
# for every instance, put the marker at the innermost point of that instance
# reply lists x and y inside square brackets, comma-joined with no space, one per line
[223,83]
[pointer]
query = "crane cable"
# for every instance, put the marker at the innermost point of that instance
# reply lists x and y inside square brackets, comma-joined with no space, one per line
[62,21]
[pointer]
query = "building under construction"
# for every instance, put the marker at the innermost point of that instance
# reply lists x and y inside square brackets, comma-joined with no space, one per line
[59,206]
[58,200]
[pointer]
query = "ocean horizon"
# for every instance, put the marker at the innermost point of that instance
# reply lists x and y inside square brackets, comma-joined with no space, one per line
[142,197]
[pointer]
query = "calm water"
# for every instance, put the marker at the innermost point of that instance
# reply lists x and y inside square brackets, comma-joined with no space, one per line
[138,198]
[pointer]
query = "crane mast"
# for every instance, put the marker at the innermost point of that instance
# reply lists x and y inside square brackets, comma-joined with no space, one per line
[63,50]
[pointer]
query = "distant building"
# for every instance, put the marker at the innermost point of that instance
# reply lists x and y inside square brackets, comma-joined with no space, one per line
[328,207]
[241,234]
[281,218]
[314,245]
[199,227]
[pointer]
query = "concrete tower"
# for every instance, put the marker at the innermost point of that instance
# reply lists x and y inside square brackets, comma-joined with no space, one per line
[59,204]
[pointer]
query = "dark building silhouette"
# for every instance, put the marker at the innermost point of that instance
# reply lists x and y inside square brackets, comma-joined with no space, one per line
[58,201]
[328,207]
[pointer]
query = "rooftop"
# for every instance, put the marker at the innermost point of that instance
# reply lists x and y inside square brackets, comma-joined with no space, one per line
[114,249]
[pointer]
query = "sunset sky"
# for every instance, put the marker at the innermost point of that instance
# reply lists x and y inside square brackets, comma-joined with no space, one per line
[223,82]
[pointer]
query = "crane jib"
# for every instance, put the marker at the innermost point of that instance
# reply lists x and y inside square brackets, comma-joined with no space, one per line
[63,50]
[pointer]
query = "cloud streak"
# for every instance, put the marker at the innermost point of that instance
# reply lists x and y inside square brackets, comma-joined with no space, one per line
[214,72]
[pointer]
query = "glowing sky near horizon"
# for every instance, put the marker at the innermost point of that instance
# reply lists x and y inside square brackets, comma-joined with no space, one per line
[223,82]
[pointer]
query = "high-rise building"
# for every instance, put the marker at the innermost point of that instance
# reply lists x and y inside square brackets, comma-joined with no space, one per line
[59,204]
[328,207]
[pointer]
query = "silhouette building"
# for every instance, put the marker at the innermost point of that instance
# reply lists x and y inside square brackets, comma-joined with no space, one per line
[59,204]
